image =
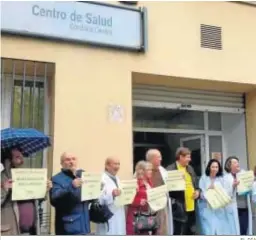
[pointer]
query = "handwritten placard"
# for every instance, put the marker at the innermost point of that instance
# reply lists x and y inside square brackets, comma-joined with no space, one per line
[157,197]
[91,187]
[217,197]
[28,183]
[176,181]
[128,192]
[245,179]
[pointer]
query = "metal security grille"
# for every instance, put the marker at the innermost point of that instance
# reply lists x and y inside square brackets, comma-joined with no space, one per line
[24,103]
[162,96]
[211,37]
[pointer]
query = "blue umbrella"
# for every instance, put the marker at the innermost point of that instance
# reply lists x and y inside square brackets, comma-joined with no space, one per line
[28,140]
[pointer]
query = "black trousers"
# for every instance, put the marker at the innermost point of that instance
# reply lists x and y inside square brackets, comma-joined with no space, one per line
[243,220]
[186,228]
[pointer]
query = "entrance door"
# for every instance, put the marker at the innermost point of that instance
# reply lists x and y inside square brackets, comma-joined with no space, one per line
[196,146]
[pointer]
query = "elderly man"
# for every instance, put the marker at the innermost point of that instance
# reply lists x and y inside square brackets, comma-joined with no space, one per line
[110,189]
[159,177]
[183,202]
[72,215]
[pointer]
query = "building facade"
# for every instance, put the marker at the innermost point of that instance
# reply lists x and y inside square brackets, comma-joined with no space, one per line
[128,78]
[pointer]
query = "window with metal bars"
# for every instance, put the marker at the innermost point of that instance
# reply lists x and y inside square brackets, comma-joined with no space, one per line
[25,104]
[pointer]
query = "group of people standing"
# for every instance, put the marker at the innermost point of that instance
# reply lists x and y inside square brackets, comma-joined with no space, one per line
[186,213]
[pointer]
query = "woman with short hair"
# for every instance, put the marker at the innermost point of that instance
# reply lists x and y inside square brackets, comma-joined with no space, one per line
[143,173]
[212,221]
[239,211]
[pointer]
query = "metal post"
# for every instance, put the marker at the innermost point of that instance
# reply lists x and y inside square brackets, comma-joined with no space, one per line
[34,93]
[2,83]
[22,95]
[12,92]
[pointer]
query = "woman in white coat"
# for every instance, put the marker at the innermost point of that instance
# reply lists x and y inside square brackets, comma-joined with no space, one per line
[254,189]
[212,222]
[254,193]
[239,212]
[254,202]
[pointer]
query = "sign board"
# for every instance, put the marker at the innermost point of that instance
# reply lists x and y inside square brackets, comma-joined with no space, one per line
[90,22]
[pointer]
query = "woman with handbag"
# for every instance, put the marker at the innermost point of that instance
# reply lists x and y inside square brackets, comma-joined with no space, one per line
[139,219]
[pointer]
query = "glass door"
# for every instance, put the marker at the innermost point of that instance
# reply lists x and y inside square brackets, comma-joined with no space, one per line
[197,148]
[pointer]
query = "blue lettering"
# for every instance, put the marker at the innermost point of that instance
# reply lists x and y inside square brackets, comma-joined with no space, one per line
[34,10]
[98,20]
[88,17]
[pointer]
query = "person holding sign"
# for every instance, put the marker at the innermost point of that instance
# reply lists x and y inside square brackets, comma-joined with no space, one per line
[213,221]
[159,178]
[254,201]
[143,173]
[239,211]
[71,214]
[254,189]
[19,217]
[183,202]
[110,190]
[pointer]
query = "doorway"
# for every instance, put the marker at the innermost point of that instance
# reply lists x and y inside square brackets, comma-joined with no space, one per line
[196,146]
[167,144]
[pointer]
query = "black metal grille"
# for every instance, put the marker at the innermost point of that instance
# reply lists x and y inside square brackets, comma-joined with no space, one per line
[24,104]
[211,37]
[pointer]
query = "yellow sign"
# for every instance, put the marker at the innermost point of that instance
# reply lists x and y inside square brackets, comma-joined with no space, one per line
[157,197]
[28,183]
[176,181]
[245,179]
[91,187]
[128,192]
[217,197]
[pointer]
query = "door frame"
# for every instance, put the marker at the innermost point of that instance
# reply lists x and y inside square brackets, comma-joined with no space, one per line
[202,147]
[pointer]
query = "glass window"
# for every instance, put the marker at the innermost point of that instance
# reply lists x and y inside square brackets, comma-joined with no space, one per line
[167,118]
[214,121]
[215,148]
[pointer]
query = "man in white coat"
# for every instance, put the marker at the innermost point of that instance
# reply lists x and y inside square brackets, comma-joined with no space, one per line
[159,177]
[239,211]
[110,189]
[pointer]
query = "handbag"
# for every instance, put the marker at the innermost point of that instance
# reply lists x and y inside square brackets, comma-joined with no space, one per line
[145,221]
[178,211]
[99,213]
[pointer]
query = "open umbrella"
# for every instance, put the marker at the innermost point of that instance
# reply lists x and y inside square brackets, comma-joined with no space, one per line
[28,140]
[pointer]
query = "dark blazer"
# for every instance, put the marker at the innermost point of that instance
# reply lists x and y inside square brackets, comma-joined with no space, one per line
[178,197]
[72,215]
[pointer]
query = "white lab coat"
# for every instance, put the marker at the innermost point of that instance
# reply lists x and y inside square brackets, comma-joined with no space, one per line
[213,221]
[254,192]
[117,224]
[254,206]
[164,175]
[231,209]
[1,167]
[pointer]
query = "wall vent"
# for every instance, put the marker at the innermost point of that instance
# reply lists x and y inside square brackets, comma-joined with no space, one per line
[211,37]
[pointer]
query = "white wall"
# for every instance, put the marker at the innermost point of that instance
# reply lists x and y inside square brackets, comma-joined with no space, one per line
[233,127]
